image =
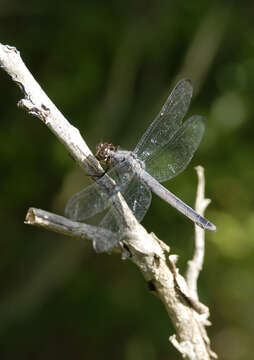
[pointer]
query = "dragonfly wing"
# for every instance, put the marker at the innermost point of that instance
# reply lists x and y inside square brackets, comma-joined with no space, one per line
[91,200]
[85,204]
[138,198]
[173,157]
[167,122]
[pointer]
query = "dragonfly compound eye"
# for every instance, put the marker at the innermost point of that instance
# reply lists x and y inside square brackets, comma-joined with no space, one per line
[103,151]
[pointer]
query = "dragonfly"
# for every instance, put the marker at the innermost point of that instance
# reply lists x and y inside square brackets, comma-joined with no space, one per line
[163,152]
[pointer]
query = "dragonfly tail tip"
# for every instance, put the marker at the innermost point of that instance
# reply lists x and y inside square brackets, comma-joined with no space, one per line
[211,227]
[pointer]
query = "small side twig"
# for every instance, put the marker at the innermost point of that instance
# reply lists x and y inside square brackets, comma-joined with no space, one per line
[195,265]
[62,225]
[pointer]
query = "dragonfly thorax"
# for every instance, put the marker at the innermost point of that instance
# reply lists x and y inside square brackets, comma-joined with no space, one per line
[110,154]
[128,159]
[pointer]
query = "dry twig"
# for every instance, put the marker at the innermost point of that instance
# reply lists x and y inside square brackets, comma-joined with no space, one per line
[145,250]
[195,265]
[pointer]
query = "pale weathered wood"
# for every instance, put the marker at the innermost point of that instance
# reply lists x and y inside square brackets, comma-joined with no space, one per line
[133,242]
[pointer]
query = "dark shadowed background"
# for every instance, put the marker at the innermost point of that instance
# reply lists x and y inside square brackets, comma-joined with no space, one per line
[109,66]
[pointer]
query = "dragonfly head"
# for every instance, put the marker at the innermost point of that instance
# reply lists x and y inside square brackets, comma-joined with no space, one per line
[103,151]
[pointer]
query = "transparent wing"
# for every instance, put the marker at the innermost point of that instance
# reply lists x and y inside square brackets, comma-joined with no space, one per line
[167,122]
[86,203]
[138,198]
[173,157]
[91,200]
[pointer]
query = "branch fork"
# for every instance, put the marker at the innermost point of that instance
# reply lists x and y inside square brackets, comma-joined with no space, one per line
[178,294]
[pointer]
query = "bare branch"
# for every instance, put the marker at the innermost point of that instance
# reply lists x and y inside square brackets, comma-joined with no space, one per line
[37,103]
[134,243]
[148,253]
[68,227]
[195,265]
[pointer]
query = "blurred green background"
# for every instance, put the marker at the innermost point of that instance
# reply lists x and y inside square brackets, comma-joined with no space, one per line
[109,66]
